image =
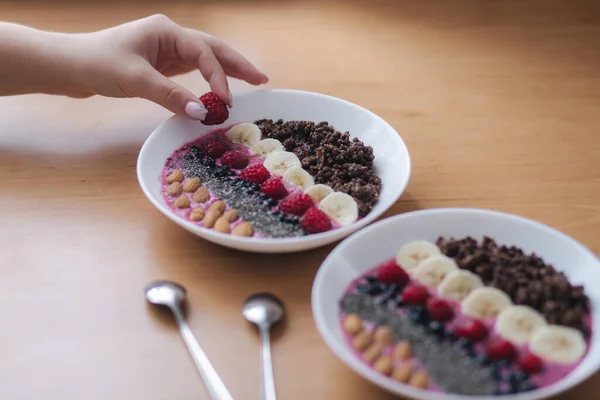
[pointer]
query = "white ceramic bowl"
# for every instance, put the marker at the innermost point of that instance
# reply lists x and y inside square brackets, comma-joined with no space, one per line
[392,161]
[381,241]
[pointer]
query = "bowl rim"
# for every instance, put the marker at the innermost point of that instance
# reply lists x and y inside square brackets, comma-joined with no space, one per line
[271,242]
[341,351]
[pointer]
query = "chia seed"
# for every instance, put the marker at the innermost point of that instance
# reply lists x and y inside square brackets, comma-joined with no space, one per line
[447,365]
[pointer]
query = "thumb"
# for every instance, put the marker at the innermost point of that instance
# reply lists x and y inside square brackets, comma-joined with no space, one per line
[161,90]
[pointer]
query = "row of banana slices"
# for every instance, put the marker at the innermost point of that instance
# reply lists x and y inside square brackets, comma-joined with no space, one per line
[518,324]
[340,207]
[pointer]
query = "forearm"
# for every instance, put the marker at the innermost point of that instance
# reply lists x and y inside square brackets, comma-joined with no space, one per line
[34,61]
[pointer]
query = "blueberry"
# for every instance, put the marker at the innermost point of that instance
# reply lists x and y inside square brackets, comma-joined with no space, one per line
[195,150]
[256,188]
[209,162]
[417,314]
[263,196]
[245,184]
[467,346]
[371,279]
[399,303]
[527,386]
[390,292]
[271,202]
[436,328]
[279,215]
[362,288]
[518,377]
[483,359]
[449,335]
[188,157]
[495,372]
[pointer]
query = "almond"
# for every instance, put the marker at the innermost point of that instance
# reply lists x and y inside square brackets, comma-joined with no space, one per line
[232,215]
[174,189]
[182,201]
[201,195]
[191,185]
[197,214]
[362,340]
[384,365]
[383,335]
[222,225]
[402,373]
[218,207]
[372,353]
[243,229]
[175,176]
[419,379]
[403,351]
[353,324]
[210,218]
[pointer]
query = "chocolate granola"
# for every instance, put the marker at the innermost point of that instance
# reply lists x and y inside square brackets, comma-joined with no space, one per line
[526,278]
[331,157]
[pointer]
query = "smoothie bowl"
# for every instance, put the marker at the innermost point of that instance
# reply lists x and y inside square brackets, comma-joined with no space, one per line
[461,304]
[284,171]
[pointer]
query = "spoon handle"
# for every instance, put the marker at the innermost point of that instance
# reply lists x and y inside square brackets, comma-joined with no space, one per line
[268,381]
[214,385]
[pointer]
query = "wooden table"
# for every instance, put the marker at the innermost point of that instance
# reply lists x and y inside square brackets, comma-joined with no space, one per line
[498,102]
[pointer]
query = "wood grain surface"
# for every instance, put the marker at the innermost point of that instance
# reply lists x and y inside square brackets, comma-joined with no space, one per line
[498,102]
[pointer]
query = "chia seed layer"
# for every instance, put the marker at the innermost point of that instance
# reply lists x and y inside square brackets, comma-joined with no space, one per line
[449,368]
[331,157]
[252,206]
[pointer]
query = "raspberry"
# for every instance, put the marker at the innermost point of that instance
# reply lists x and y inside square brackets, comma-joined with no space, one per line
[315,221]
[501,350]
[296,204]
[256,173]
[474,330]
[390,272]
[214,149]
[417,295]
[217,109]
[530,364]
[274,187]
[439,310]
[234,159]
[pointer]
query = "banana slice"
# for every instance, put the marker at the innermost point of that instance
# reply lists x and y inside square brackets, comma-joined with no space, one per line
[340,207]
[458,284]
[299,177]
[280,161]
[485,303]
[245,133]
[267,146]
[518,323]
[318,192]
[412,253]
[434,269]
[558,344]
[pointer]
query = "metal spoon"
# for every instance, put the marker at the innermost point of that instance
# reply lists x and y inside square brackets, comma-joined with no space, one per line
[172,295]
[265,310]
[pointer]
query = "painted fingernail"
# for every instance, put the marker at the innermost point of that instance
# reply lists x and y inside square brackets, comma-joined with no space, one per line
[196,110]
[265,78]
[230,99]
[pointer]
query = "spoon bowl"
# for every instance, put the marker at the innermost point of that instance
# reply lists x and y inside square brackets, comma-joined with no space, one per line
[263,309]
[165,293]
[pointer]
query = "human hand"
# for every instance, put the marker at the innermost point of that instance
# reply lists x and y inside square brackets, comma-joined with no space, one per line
[137,58]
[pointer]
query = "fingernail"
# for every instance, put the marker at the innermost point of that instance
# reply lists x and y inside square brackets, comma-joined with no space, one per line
[196,110]
[230,99]
[265,78]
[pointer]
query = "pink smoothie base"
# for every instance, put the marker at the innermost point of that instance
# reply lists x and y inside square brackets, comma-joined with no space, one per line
[217,134]
[551,373]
